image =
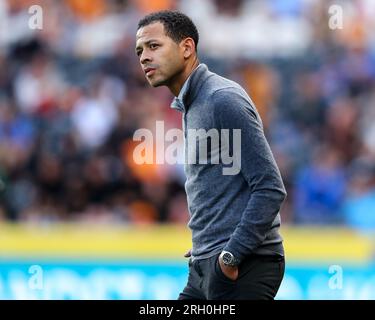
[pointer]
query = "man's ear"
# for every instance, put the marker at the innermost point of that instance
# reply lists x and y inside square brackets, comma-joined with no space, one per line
[188,47]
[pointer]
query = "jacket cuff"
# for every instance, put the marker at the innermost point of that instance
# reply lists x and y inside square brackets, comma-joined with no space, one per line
[236,249]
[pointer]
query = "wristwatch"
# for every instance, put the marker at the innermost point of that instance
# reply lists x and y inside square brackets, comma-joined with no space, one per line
[229,259]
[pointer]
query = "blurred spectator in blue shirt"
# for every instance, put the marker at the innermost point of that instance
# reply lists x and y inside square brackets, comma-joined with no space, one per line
[320,188]
[359,207]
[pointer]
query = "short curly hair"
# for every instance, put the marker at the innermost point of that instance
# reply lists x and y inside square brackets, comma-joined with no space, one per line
[177,25]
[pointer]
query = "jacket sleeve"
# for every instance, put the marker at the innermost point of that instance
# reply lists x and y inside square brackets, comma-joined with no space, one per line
[233,109]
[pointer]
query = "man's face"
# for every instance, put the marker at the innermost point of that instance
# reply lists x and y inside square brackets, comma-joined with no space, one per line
[161,58]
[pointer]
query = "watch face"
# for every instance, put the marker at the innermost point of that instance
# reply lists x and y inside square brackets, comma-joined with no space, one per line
[227,258]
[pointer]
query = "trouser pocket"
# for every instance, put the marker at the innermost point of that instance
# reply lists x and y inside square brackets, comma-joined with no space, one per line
[219,272]
[219,286]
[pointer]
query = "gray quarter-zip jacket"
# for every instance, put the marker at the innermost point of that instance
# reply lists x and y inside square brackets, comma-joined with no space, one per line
[235,210]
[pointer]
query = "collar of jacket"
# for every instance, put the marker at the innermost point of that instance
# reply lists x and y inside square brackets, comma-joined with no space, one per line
[192,89]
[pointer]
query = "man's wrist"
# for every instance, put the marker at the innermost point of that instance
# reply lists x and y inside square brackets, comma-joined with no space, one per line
[236,248]
[229,259]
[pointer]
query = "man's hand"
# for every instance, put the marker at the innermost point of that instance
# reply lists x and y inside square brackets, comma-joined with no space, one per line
[188,254]
[230,272]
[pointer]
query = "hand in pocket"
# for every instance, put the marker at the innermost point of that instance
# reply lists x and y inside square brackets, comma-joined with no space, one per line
[230,272]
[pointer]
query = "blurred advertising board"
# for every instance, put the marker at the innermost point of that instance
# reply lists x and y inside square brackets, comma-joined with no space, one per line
[119,262]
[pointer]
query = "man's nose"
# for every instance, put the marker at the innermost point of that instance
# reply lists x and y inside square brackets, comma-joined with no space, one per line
[145,58]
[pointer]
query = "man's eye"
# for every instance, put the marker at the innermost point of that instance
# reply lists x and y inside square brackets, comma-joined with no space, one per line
[154,45]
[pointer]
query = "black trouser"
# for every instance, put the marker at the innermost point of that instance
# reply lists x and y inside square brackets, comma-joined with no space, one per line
[259,279]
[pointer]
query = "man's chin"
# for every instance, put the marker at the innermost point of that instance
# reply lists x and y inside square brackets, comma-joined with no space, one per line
[156,83]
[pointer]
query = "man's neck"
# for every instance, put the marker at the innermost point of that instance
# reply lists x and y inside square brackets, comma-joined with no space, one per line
[176,86]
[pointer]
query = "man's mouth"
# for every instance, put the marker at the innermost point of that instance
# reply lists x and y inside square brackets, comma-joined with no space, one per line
[149,71]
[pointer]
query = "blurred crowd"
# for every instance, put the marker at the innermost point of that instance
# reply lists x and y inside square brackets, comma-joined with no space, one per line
[73,94]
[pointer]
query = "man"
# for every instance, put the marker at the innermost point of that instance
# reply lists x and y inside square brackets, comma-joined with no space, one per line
[237,251]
